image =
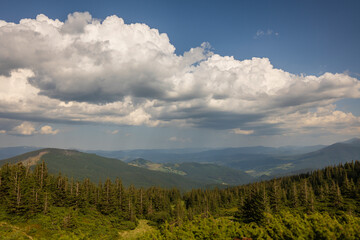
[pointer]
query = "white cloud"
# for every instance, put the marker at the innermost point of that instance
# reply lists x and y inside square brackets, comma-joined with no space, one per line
[87,70]
[114,132]
[26,129]
[323,120]
[48,130]
[84,59]
[242,132]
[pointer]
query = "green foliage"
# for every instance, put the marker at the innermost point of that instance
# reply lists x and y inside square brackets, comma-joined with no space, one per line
[253,208]
[323,204]
[283,225]
[63,223]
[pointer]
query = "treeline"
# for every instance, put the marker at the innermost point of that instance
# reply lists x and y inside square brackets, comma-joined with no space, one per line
[28,192]
[333,189]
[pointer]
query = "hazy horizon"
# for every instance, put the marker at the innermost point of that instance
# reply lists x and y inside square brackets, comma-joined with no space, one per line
[196,149]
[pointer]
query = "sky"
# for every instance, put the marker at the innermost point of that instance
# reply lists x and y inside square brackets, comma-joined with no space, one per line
[115,75]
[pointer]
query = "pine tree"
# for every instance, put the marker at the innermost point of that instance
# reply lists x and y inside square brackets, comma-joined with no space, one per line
[275,196]
[253,208]
[335,197]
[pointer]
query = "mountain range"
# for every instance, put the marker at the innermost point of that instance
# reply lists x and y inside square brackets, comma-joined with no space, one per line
[79,165]
[187,168]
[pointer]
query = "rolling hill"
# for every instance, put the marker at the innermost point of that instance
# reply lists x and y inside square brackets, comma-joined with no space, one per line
[332,155]
[84,165]
[201,172]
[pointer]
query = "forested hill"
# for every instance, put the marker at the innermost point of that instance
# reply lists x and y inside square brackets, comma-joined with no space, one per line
[200,172]
[79,166]
[185,176]
[334,154]
[324,204]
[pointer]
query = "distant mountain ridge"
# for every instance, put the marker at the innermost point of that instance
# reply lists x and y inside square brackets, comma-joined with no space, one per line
[259,162]
[174,155]
[202,155]
[332,155]
[79,165]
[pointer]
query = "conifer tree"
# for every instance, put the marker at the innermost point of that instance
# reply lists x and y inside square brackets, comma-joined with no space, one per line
[275,196]
[335,197]
[253,208]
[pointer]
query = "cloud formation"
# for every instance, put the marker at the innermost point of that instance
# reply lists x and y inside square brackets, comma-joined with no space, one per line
[18,128]
[48,130]
[25,128]
[85,70]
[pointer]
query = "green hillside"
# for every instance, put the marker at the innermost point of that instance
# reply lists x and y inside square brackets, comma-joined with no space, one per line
[78,165]
[212,173]
[199,172]
[331,155]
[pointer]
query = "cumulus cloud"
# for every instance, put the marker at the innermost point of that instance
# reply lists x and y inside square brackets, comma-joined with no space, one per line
[85,70]
[25,128]
[18,128]
[48,130]
[89,61]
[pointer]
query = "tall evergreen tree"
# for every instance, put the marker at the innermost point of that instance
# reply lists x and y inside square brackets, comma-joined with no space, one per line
[253,208]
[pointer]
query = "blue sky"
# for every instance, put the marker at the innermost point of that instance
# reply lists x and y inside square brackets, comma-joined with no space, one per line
[301,38]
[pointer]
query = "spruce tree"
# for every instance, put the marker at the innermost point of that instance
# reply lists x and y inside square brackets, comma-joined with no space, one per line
[253,208]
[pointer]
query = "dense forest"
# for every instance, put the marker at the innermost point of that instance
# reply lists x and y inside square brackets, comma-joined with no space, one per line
[323,204]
